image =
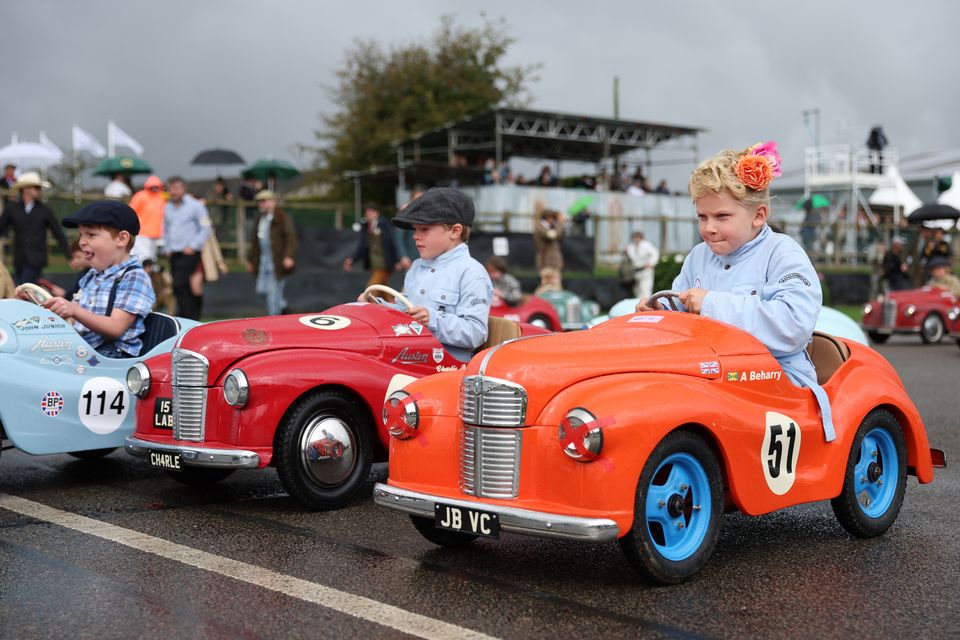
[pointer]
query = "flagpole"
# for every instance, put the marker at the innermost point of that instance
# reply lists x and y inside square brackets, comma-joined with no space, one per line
[77,184]
[110,138]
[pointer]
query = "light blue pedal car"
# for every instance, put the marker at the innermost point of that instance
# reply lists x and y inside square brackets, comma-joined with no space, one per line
[58,395]
[829,321]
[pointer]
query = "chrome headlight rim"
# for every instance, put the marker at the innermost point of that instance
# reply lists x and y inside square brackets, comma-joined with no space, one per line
[592,443]
[954,313]
[236,388]
[410,416]
[140,384]
[910,311]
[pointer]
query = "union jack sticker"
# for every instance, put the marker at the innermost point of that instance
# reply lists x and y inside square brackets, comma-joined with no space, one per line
[710,367]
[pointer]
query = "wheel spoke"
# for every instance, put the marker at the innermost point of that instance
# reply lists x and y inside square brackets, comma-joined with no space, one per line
[657,497]
[860,480]
[673,534]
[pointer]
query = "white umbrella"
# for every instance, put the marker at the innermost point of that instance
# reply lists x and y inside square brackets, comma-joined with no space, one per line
[30,154]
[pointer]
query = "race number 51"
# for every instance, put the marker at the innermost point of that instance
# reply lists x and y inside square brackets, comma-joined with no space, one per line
[781,448]
[103,405]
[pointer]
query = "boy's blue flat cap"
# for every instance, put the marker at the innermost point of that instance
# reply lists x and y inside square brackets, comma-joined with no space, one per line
[111,213]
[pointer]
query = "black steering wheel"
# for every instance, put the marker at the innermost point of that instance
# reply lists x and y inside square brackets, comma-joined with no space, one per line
[672,299]
[382,288]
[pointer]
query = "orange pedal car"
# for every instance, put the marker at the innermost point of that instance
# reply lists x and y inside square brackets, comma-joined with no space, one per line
[645,429]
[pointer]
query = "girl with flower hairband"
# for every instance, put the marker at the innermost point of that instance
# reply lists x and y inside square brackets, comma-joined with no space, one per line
[746,275]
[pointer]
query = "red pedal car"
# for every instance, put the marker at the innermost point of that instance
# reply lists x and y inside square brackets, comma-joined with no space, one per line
[532,310]
[301,393]
[925,311]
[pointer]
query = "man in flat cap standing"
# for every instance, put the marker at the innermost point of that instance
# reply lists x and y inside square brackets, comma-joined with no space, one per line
[115,295]
[186,227]
[451,292]
[30,218]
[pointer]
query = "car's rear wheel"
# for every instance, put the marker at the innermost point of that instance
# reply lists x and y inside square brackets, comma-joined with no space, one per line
[679,504]
[932,329]
[92,454]
[199,477]
[875,479]
[440,537]
[324,449]
[878,337]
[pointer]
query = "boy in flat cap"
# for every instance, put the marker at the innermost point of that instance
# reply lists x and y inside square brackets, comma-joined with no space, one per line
[451,291]
[115,295]
[941,277]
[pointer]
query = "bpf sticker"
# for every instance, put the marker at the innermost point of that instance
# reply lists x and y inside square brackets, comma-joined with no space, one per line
[103,404]
[781,448]
[51,404]
[327,323]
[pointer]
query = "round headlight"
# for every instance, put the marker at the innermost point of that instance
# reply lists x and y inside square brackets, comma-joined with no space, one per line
[138,380]
[910,310]
[236,389]
[954,313]
[580,443]
[867,308]
[400,415]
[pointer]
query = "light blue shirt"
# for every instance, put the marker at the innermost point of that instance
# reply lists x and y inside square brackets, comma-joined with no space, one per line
[768,288]
[457,291]
[185,225]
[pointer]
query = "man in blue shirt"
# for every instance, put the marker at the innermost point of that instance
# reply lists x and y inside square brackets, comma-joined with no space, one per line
[451,291]
[186,227]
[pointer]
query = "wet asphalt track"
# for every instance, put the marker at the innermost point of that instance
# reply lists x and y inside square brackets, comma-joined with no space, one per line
[793,574]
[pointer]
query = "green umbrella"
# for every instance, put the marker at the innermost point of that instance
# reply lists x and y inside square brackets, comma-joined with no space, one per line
[580,204]
[122,164]
[264,169]
[817,201]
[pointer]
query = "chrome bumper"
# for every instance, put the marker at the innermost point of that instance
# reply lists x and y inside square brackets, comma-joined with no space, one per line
[196,456]
[532,523]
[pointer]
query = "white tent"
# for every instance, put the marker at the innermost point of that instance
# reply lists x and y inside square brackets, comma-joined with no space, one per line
[899,195]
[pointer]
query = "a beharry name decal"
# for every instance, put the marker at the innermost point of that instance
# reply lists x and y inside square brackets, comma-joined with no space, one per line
[753,376]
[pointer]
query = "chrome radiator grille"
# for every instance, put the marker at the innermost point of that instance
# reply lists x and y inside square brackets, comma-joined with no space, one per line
[189,395]
[489,462]
[889,313]
[573,311]
[491,402]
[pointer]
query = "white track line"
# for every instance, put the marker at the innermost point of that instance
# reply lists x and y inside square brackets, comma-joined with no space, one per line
[348,603]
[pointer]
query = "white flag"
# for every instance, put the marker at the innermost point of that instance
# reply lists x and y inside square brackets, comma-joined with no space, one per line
[117,137]
[83,141]
[49,144]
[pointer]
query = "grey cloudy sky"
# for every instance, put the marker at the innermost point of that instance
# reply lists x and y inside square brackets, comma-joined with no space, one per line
[180,76]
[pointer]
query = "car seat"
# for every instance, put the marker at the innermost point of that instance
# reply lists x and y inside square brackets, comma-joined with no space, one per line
[500,330]
[157,327]
[827,354]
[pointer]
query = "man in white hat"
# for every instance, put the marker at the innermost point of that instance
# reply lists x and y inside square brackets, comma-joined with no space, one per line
[30,218]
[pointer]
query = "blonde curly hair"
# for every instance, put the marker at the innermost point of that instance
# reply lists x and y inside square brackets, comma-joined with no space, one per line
[718,174]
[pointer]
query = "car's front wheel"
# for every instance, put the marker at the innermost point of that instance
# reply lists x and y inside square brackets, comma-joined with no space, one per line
[875,479]
[679,504]
[878,337]
[324,449]
[932,329]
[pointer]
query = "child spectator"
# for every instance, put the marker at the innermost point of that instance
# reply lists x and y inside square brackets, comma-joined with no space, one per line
[549,281]
[745,274]
[115,294]
[505,286]
[941,277]
[451,291]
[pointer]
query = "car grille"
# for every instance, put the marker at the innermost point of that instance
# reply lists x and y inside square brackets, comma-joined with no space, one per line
[189,395]
[490,402]
[889,313]
[489,462]
[573,311]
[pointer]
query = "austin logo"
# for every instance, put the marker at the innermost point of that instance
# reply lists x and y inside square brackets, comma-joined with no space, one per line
[409,357]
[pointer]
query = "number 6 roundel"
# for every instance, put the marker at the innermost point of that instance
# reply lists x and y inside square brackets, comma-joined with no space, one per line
[781,448]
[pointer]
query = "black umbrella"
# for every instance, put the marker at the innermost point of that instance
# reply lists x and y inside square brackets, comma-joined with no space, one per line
[934,211]
[218,157]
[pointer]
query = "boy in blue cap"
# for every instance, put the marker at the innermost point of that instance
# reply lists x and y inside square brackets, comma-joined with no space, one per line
[451,291]
[115,295]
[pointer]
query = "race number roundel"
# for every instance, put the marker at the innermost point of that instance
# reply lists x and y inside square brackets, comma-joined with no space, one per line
[104,403]
[781,448]
[327,323]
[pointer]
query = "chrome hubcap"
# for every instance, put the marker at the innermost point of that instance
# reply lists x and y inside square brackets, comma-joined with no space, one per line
[327,450]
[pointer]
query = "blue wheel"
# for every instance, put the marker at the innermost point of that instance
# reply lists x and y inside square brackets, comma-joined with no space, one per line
[678,509]
[876,476]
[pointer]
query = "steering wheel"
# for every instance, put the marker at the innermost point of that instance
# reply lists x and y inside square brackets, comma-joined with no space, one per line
[35,293]
[672,298]
[382,288]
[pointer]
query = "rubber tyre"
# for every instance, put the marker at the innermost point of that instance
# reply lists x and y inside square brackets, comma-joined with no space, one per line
[681,455]
[294,470]
[92,454]
[878,433]
[440,537]
[932,329]
[542,321]
[199,477]
[878,338]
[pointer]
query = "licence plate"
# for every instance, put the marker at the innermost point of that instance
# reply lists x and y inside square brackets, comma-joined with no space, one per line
[165,460]
[163,413]
[472,521]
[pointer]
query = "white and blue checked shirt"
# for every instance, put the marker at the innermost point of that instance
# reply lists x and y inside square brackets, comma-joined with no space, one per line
[134,295]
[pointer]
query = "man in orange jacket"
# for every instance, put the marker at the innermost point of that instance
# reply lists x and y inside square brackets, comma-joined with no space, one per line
[149,204]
